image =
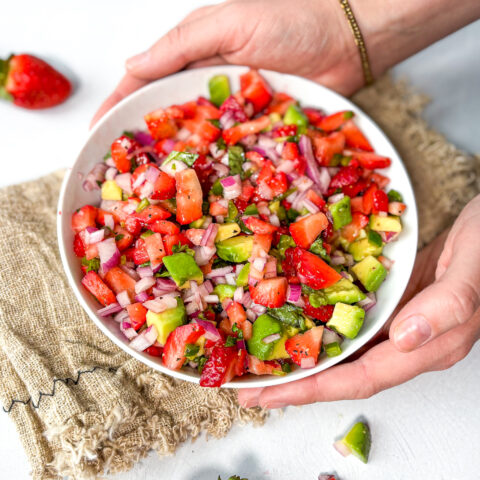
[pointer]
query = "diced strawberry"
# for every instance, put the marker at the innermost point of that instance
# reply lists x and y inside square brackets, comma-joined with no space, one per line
[255,157]
[174,350]
[335,120]
[280,103]
[345,176]
[83,218]
[259,367]
[351,231]
[327,234]
[164,187]
[315,117]
[217,208]
[138,315]
[285,131]
[368,160]
[355,189]
[315,198]
[306,230]
[271,292]
[120,150]
[256,90]
[143,158]
[231,105]
[155,249]
[380,202]
[140,254]
[234,134]
[165,227]
[396,208]
[261,243]
[154,351]
[354,138]
[117,210]
[241,363]
[322,313]
[326,147]
[259,226]
[78,246]
[195,235]
[368,197]
[151,214]
[96,286]
[118,281]
[305,346]
[290,151]
[178,239]
[381,180]
[133,225]
[312,270]
[160,125]
[123,238]
[189,196]
[220,367]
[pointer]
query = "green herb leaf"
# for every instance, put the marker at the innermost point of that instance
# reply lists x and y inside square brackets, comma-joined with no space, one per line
[191,349]
[286,241]
[128,134]
[107,156]
[236,157]
[318,249]
[119,237]
[201,363]
[232,212]
[289,314]
[230,341]
[146,264]
[214,121]
[186,157]
[217,188]
[286,367]
[394,196]
[251,210]
[146,234]
[292,214]
[238,331]
[142,205]
[221,145]
[92,264]
[182,248]
[375,238]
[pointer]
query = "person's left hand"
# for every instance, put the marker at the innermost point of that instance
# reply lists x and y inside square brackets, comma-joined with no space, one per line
[436,327]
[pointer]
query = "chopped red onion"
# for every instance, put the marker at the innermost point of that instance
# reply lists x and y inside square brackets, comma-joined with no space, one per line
[294,293]
[286,166]
[152,174]
[341,448]
[208,286]
[216,152]
[109,310]
[146,190]
[221,169]
[94,177]
[265,191]
[110,162]
[318,176]
[337,259]
[251,315]
[168,145]
[249,140]
[203,255]
[259,264]
[274,220]
[310,206]
[238,295]
[386,262]
[369,302]
[388,237]
[93,235]
[139,180]
[297,204]
[173,166]
[143,138]
[308,362]
[144,284]
[349,260]
[263,209]
[211,299]
[141,297]
[226,303]
[247,300]
[232,187]
[208,239]
[271,338]
[127,330]
[166,283]
[145,271]
[230,279]
[211,332]
[247,166]
[109,221]
[219,272]
[145,339]
[258,309]
[346,275]
[161,304]
[109,254]
[130,271]
[219,280]
[335,198]
[121,316]
[227,120]
[271,268]
[219,218]
[329,336]
[123,298]
[111,173]
[302,183]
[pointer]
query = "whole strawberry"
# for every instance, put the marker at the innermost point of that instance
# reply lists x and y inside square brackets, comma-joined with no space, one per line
[32,83]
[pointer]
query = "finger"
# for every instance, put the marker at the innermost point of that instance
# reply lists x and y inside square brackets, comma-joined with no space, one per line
[208,62]
[447,303]
[127,85]
[380,368]
[201,38]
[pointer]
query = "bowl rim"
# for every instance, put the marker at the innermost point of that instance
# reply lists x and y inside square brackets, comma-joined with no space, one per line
[244,381]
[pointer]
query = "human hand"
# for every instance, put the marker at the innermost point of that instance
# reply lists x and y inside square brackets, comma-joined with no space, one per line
[306,38]
[435,329]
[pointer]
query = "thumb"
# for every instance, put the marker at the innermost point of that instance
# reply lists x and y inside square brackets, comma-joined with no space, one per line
[450,301]
[202,37]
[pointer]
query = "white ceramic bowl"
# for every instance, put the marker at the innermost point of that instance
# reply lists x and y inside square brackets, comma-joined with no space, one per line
[188,85]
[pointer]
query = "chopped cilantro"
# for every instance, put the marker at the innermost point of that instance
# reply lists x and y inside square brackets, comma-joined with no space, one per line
[128,134]
[217,188]
[251,210]
[286,367]
[146,234]
[394,196]
[119,237]
[221,145]
[92,264]
[236,157]
[191,349]
[107,156]
[289,314]
[201,363]
[375,238]
[238,331]
[142,205]
[230,341]
[146,264]
[286,241]
[186,157]
[182,248]
[232,212]
[214,121]
[318,249]
[292,214]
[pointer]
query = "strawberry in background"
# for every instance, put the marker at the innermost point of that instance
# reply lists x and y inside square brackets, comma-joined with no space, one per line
[31,83]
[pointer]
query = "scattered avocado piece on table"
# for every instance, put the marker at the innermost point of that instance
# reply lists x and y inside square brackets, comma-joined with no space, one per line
[358,441]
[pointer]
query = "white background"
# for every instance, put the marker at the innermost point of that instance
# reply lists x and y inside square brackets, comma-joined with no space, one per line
[428,428]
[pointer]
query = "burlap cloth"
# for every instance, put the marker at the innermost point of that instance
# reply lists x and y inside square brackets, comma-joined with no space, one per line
[83,407]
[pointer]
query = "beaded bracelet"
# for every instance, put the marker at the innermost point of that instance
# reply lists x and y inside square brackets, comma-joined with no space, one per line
[357,34]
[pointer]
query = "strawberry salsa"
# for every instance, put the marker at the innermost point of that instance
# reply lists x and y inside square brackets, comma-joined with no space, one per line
[241,233]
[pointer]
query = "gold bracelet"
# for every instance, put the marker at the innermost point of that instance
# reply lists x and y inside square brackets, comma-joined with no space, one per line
[357,34]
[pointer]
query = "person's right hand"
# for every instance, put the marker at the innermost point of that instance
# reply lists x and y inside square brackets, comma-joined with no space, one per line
[307,38]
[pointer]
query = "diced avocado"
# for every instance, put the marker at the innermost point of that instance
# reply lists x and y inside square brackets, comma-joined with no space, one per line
[363,248]
[370,272]
[198,223]
[332,349]
[183,268]
[242,279]
[343,291]
[347,320]
[375,238]
[167,321]
[219,88]
[309,323]
[224,291]
[341,212]
[295,116]
[290,331]
[227,230]
[251,210]
[264,326]
[111,191]
[385,224]
[359,440]
[236,249]
[275,117]
[279,349]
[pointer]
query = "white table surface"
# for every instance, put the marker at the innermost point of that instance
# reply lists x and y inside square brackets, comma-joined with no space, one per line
[428,428]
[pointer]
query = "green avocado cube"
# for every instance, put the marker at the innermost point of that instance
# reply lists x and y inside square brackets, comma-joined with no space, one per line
[363,248]
[359,440]
[385,224]
[370,272]
[236,249]
[295,116]
[183,268]
[332,349]
[224,291]
[341,212]
[347,320]
[219,88]
[343,291]
[167,321]
[242,279]
[264,326]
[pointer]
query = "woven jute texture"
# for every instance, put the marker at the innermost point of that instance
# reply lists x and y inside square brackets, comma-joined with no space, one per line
[82,407]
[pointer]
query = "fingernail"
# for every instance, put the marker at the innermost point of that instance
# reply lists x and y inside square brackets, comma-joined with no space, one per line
[248,399]
[138,60]
[273,404]
[412,332]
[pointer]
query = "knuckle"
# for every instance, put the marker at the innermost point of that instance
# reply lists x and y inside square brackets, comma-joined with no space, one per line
[464,300]
[457,352]
[367,386]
